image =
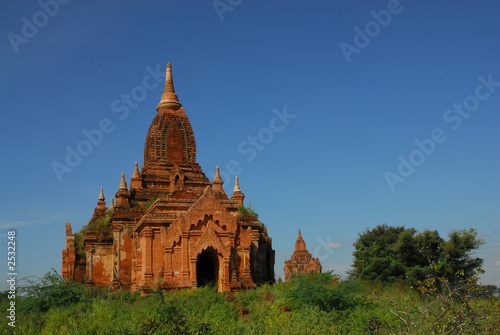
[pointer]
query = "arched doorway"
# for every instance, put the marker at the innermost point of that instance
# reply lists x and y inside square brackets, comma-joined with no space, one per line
[207,268]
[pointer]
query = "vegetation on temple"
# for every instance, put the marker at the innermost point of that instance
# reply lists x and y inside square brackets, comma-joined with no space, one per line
[246,211]
[151,201]
[101,226]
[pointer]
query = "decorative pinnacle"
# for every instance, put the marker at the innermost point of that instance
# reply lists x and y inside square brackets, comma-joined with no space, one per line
[300,244]
[123,183]
[217,178]
[112,203]
[236,186]
[101,196]
[169,83]
[136,171]
[169,99]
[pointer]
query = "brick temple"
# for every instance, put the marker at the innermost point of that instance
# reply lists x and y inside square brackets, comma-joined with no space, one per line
[301,261]
[172,228]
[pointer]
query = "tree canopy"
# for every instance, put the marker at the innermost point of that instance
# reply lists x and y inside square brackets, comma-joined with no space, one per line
[386,253]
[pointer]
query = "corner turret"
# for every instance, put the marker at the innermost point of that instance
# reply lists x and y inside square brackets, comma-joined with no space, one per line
[237,194]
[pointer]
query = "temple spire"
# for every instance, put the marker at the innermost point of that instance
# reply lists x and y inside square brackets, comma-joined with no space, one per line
[136,171]
[123,183]
[237,194]
[169,99]
[236,185]
[136,181]
[122,195]
[100,210]
[217,183]
[101,196]
[217,178]
[169,83]
[300,244]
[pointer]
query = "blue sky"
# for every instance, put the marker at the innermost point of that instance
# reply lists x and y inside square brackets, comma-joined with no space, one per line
[336,115]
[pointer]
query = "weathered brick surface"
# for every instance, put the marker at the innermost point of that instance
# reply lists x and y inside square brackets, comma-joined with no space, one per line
[69,254]
[173,228]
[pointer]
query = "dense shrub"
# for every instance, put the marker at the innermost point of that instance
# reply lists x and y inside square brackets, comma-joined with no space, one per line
[40,294]
[324,290]
[320,304]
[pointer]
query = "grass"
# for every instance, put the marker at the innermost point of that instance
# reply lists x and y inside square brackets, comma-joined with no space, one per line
[320,304]
[247,211]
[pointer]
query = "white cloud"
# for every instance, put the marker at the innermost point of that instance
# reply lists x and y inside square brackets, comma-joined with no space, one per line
[333,245]
[16,224]
[36,218]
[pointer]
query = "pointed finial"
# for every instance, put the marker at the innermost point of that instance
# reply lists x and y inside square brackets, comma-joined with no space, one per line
[169,82]
[123,183]
[217,177]
[101,196]
[300,244]
[236,185]
[237,194]
[169,99]
[217,183]
[112,203]
[136,171]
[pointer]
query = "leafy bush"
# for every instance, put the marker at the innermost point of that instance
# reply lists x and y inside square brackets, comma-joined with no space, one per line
[40,294]
[320,304]
[323,290]
[436,306]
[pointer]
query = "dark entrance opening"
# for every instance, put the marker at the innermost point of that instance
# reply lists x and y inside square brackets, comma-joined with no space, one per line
[207,268]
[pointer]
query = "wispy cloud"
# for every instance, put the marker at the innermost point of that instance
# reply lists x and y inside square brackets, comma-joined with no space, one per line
[333,245]
[42,218]
[17,224]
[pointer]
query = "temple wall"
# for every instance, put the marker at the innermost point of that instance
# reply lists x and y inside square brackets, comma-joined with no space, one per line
[102,265]
[126,256]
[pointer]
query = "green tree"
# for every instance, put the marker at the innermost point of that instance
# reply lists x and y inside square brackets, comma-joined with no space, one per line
[420,253]
[457,260]
[374,255]
[389,254]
